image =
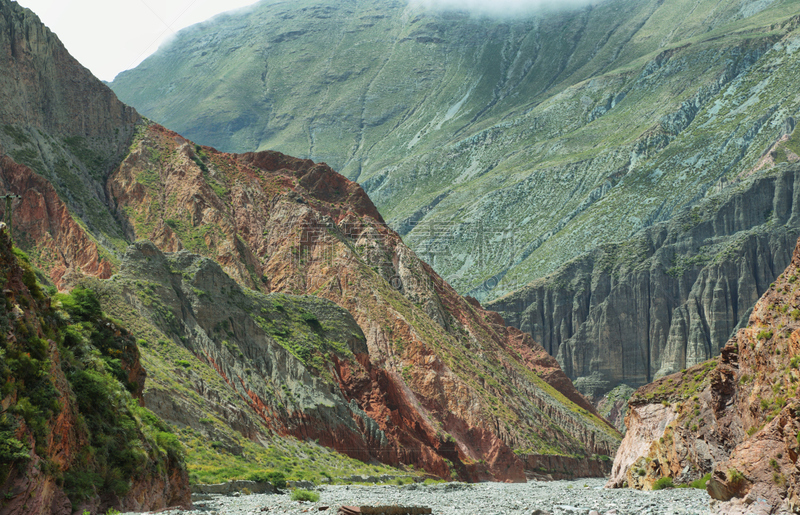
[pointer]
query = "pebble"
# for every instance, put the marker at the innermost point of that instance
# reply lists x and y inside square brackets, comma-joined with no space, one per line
[581,497]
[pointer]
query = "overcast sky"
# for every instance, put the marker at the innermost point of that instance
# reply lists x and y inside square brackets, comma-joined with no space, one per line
[109,36]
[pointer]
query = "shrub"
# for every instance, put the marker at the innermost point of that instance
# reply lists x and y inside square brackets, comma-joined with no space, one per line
[700,484]
[277,479]
[305,495]
[734,476]
[664,482]
[764,335]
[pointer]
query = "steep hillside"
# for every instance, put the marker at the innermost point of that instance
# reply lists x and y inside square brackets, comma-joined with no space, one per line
[72,433]
[415,374]
[499,149]
[668,298]
[735,418]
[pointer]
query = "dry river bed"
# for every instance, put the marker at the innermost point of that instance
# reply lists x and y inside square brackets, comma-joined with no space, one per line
[580,497]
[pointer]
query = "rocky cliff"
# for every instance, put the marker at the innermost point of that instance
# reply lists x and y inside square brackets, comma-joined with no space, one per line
[671,296]
[734,418]
[73,435]
[69,128]
[425,377]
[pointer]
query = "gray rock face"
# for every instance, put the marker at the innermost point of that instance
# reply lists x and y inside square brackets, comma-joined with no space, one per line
[668,298]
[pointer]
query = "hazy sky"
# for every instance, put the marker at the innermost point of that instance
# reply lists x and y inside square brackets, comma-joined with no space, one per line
[108,36]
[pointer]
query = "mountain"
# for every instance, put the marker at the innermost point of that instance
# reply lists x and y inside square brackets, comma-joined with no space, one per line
[72,433]
[734,419]
[498,148]
[274,311]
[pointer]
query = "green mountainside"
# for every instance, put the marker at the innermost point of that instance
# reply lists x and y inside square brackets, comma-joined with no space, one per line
[499,149]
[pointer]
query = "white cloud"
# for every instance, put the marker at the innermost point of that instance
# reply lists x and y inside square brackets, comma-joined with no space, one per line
[500,7]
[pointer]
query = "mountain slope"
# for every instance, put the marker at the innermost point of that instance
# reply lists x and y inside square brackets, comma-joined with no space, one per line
[450,386]
[734,418]
[570,129]
[288,225]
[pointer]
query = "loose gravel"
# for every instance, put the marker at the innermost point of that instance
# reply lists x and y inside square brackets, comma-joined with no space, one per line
[581,497]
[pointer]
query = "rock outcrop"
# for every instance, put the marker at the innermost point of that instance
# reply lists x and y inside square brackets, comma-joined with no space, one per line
[53,454]
[44,225]
[668,298]
[43,86]
[734,419]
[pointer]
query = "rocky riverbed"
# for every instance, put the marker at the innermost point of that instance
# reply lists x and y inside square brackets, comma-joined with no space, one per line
[580,497]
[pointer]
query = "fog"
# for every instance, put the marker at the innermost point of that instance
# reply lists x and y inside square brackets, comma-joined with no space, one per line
[501,7]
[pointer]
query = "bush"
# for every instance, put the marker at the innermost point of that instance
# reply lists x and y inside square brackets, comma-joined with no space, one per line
[82,303]
[277,479]
[700,484]
[305,495]
[764,335]
[734,476]
[664,482]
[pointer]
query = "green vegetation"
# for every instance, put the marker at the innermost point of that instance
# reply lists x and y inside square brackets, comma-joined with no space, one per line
[18,135]
[124,441]
[700,484]
[662,483]
[734,476]
[305,495]
[766,334]
[93,161]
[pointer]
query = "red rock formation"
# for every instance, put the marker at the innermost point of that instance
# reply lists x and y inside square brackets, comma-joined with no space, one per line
[288,225]
[43,223]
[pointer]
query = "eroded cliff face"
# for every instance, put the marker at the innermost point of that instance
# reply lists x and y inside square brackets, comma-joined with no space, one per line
[734,418]
[668,298]
[44,225]
[53,461]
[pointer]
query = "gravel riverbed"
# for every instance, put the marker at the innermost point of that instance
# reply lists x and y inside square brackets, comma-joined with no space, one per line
[580,497]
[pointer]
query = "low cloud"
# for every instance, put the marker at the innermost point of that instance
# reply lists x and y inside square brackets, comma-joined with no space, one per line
[500,7]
